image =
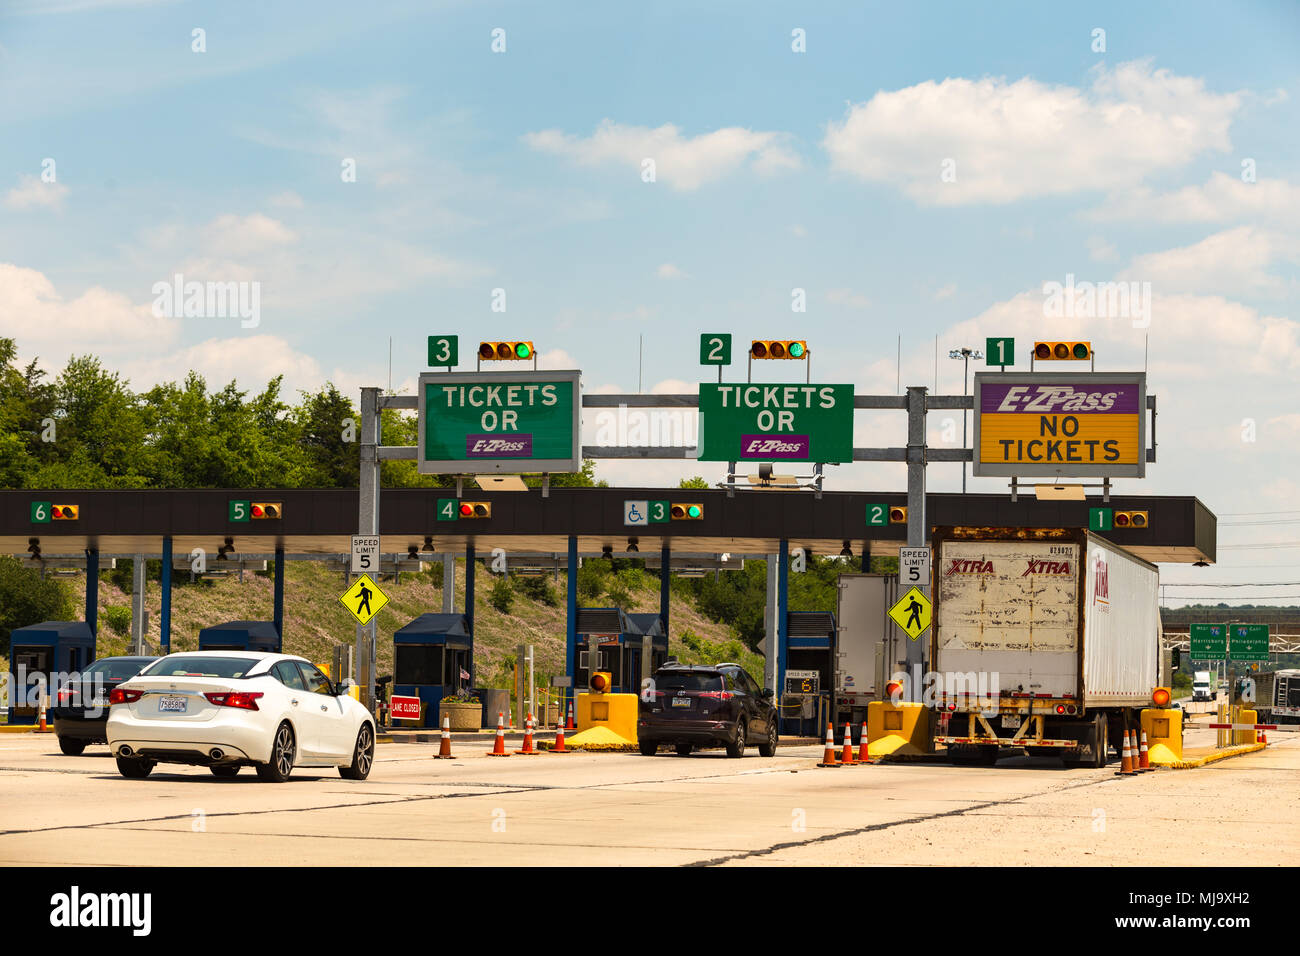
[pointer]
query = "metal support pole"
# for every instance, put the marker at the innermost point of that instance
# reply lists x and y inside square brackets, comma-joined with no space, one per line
[917,526]
[278,599]
[571,624]
[965,364]
[782,592]
[448,584]
[469,590]
[165,612]
[368,523]
[137,604]
[665,576]
[769,623]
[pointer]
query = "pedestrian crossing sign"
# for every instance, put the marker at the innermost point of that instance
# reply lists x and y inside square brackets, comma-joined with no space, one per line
[364,599]
[912,613]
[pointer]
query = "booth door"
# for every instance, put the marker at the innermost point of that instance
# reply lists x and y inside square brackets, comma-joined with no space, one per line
[31,667]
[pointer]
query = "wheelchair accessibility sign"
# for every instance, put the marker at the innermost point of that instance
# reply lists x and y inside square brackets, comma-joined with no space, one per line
[637,514]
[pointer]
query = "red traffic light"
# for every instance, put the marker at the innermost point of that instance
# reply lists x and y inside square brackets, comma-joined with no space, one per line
[1042,350]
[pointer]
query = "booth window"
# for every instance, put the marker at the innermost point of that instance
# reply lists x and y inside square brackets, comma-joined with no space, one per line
[418,664]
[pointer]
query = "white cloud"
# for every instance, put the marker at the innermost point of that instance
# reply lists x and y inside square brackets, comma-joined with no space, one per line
[670,271]
[1099,250]
[847,297]
[232,235]
[1014,140]
[32,191]
[683,162]
[287,199]
[1234,262]
[251,360]
[1222,198]
[556,359]
[945,292]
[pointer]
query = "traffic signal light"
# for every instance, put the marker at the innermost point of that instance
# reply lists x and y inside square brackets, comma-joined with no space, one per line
[601,682]
[505,351]
[1131,519]
[778,349]
[1064,351]
[691,511]
[898,515]
[263,510]
[476,509]
[63,512]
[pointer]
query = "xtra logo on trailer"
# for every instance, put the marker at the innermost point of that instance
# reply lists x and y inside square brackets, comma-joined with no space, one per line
[495,446]
[769,446]
[967,566]
[1046,567]
[1101,590]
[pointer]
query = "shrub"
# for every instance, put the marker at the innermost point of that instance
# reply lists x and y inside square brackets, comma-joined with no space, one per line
[502,595]
[539,589]
[117,617]
[619,596]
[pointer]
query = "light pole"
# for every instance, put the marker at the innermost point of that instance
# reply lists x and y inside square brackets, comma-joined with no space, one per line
[965,355]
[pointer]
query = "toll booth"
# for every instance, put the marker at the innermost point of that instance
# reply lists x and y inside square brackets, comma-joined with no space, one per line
[38,651]
[429,655]
[809,672]
[617,639]
[241,636]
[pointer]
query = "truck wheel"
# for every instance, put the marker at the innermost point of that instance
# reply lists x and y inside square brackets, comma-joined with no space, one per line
[963,755]
[648,748]
[988,756]
[683,750]
[1101,746]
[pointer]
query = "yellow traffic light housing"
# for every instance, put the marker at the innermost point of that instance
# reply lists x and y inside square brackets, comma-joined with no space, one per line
[475,509]
[64,512]
[778,349]
[898,514]
[1063,351]
[265,510]
[601,682]
[1131,519]
[686,511]
[505,351]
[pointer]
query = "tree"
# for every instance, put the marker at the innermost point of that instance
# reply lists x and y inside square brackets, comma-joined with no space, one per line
[695,482]
[27,598]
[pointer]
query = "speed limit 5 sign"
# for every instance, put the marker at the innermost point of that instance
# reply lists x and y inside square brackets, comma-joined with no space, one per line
[365,553]
[914,567]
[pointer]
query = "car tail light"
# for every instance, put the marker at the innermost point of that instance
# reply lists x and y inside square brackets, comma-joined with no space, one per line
[1070,709]
[65,696]
[717,694]
[119,695]
[242,699]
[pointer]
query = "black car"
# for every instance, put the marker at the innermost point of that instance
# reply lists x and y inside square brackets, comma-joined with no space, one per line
[716,705]
[81,707]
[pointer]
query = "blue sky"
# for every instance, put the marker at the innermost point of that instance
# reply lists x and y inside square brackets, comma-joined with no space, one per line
[775,170]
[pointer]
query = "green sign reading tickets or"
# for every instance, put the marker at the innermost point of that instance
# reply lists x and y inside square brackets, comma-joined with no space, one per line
[1248,642]
[498,422]
[1208,642]
[747,422]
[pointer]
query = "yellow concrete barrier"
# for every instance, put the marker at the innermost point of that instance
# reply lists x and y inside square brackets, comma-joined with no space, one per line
[605,721]
[1164,730]
[898,729]
[1245,736]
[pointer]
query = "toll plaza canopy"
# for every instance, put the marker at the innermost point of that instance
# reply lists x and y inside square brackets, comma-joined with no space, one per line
[322,521]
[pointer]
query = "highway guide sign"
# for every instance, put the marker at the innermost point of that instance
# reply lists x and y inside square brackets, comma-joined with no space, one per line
[1207,642]
[365,553]
[747,422]
[1248,642]
[1077,424]
[502,422]
[364,599]
[913,567]
[912,613]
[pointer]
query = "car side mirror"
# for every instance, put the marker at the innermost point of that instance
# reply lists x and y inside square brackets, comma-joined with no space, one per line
[768,694]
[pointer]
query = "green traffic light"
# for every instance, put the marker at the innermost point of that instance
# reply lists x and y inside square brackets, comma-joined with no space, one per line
[796,350]
[522,350]
[1081,350]
[693,511]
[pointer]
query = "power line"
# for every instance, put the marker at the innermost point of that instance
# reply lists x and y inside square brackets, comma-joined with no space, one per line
[1242,584]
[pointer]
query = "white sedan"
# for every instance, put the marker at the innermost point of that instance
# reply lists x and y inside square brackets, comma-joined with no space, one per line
[229,709]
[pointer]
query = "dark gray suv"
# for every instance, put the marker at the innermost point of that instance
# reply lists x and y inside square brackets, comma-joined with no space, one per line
[715,705]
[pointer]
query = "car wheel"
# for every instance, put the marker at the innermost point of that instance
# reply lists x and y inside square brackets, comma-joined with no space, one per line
[768,747]
[71,746]
[134,768]
[648,748]
[363,757]
[736,748]
[683,750]
[225,770]
[282,754]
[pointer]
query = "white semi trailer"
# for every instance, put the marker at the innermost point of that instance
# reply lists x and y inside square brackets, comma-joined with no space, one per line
[1043,638]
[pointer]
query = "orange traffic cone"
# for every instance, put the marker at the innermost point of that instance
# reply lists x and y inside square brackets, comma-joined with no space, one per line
[1126,758]
[499,748]
[847,760]
[528,750]
[42,728]
[570,725]
[558,746]
[444,748]
[1263,737]
[511,726]
[828,757]
[863,756]
[1144,762]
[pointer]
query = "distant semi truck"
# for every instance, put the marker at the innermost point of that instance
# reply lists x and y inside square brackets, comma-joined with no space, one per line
[1201,688]
[1043,638]
[1277,696]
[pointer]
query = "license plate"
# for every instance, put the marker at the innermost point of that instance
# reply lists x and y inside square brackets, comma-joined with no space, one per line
[681,702]
[1010,721]
[172,705]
